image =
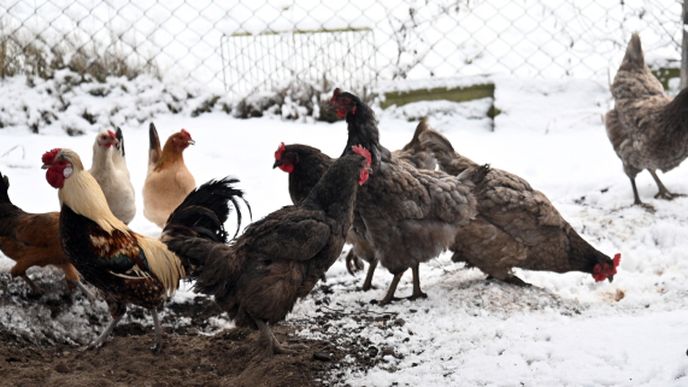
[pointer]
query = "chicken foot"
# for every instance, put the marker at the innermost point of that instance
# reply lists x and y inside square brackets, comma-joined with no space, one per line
[663,193]
[636,197]
[273,345]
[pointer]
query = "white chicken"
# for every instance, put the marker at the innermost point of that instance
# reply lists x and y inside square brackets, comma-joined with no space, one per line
[109,168]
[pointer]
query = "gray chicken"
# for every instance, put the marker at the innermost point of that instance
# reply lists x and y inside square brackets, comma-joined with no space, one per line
[647,128]
[407,215]
[516,225]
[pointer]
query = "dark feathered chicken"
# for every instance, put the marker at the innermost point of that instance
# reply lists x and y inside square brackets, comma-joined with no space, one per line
[647,129]
[516,225]
[278,259]
[128,268]
[306,165]
[408,215]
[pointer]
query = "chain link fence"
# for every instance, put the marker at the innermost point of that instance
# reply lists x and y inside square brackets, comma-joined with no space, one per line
[243,47]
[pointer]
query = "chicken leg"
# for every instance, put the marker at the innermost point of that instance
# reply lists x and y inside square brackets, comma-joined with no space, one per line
[273,345]
[389,297]
[663,191]
[417,293]
[368,283]
[117,311]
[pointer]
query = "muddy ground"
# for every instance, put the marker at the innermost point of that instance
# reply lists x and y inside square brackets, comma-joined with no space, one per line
[42,337]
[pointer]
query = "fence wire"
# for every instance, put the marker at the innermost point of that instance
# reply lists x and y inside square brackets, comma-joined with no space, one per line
[247,46]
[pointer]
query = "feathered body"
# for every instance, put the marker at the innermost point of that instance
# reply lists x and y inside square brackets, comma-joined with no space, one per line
[31,239]
[408,215]
[516,226]
[127,267]
[647,128]
[278,259]
[110,170]
[168,180]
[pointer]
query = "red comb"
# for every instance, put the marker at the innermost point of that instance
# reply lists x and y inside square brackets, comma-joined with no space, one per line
[280,150]
[185,133]
[49,156]
[617,260]
[361,151]
[112,134]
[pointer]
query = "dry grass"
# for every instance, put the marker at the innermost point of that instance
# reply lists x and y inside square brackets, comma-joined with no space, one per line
[34,57]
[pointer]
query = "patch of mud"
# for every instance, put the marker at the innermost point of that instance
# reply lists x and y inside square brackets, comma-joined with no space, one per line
[42,336]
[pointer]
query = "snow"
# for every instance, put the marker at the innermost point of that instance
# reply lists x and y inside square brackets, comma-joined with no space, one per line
[565,330]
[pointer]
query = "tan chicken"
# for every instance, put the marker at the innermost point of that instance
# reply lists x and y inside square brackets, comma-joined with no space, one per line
[168,180]
[110,170]
[647,128]
[516,225]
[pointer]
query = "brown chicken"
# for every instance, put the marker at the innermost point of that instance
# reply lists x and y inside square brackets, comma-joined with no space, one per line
[306,165]
[516,225]
[33,240]
[110,170]
[168,180]
[278,259]
[647,128]
[407,215]
[128,268]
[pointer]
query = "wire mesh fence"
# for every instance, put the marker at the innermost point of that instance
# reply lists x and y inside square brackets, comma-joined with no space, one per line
[250,46]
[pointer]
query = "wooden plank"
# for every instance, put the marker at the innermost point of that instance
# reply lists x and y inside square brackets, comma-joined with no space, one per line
[456,94]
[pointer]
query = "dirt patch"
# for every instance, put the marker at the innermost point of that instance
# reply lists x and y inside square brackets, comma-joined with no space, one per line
[41,340]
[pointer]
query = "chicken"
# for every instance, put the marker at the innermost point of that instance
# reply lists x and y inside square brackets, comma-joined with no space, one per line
[126,267]
[306,165]
[407,215]
[168,180]
[647,129]
[516,225]
[33,240]
[259,276]
[110,170]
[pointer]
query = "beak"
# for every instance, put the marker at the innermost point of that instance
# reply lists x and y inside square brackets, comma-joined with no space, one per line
[276,164]
[191,142]
[45,166]
[611,278]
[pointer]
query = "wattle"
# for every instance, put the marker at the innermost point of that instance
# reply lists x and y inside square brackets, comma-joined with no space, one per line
[54,177]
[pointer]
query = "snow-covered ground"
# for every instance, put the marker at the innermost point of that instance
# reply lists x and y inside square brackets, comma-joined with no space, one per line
[566,330]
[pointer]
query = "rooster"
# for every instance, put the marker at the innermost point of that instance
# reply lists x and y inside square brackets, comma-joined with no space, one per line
[647,128]
[278,259]
[168,180]
[306,165]
[33,240]
[110,170]
[127,267]
[516,225]
[407,215]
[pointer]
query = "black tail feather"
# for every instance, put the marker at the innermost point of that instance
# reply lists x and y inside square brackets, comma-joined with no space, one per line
[4,186]
[120,141]
[207,208]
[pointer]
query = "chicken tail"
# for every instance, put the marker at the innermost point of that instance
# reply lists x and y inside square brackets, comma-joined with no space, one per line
[120,141]
[154,150]
[449,161]
[634,58]
[4,186]
[196,226]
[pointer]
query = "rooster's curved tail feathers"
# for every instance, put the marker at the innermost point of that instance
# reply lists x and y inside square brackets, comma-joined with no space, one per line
[196,226]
